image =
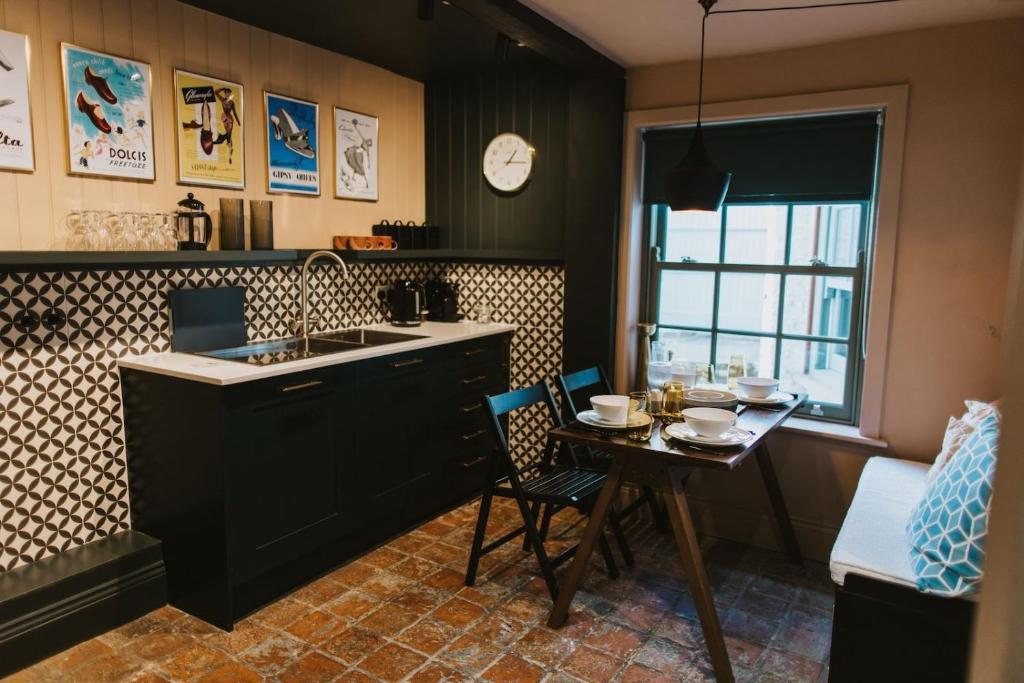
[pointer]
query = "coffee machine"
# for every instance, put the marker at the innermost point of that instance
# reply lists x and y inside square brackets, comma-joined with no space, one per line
[442,301]
[402,303]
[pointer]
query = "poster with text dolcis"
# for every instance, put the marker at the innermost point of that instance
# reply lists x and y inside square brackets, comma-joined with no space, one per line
[109,113]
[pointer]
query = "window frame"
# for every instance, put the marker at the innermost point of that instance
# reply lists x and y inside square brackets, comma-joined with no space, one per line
[656,217]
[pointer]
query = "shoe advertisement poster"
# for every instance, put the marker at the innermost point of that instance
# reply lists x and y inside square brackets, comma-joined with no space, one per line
[293,139]
[209,131]
[15,113]
[109,108]
[355,155]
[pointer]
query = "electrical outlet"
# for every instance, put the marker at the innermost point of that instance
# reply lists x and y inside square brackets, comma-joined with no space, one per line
[382,292]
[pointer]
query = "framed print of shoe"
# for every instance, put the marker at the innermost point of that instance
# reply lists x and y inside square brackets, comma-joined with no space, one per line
[15,113]
[108,106]
[293,139]
[355,155]
[209,131]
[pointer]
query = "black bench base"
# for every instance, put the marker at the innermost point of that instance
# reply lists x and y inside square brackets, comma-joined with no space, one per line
[884,632]
[62,600]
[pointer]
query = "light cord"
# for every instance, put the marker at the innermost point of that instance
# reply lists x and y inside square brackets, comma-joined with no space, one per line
[794,7]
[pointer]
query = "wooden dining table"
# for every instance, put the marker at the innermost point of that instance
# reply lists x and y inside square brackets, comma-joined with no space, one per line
[664,464]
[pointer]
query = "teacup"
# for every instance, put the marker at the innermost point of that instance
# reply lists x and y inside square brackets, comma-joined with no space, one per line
[710,422]
[611,408]
[757,387]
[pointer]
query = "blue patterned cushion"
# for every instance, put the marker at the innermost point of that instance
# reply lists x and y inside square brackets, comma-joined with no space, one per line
[946,532]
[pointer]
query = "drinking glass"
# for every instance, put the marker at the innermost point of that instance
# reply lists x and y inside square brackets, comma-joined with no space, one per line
[658,372]
[686,372]
[660,352]
[737,369]
[639,422]
[705,374]
[672,402]
[76,238]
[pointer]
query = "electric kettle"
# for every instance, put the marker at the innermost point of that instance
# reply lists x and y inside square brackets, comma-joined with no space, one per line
[403,303]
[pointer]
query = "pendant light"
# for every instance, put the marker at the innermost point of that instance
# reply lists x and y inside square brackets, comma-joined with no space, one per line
[697,183]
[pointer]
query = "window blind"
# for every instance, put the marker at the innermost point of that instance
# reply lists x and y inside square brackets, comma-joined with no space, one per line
[819,158]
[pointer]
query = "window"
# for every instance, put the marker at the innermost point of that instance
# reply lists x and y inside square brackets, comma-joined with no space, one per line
[777,284]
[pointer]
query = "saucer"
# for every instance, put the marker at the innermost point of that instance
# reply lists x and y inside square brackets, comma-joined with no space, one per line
[590,417]
[733,437]
[777,398]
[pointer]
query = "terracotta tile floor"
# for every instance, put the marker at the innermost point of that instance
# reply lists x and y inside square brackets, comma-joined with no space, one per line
[403,613]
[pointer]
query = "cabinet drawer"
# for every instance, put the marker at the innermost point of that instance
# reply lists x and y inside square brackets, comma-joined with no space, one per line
[483,351]
[290,386]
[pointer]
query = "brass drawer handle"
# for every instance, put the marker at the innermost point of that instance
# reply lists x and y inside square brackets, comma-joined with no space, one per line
[473,352]
[470,409]
[406,363]
[301,385]
[474,462]
[474,380]
[470,437]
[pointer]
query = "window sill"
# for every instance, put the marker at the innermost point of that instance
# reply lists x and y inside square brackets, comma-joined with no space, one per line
[831,430]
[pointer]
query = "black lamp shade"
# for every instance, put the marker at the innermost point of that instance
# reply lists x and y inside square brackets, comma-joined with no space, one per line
[696,184]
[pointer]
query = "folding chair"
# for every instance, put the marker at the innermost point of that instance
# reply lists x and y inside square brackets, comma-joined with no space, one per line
[592,382]
[536,483]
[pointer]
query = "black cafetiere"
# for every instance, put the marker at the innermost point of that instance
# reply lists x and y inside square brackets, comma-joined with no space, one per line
[193,226]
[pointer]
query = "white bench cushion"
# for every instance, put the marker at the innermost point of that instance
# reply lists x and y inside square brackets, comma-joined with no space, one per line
[873,540]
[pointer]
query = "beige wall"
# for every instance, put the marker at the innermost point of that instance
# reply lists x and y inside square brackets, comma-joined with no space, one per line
[997,655]
[168,34]
[959,187]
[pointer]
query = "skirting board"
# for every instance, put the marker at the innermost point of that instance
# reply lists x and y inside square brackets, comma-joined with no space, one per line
[749,526]
[59,601]
[755,527]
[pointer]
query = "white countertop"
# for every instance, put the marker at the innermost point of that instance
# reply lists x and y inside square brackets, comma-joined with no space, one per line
[223,372]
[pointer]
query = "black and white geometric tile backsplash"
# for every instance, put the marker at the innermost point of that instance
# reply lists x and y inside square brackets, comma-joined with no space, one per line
[62,459]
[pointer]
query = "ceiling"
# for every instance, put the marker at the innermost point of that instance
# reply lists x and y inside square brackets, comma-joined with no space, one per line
[388,34]
[643,32]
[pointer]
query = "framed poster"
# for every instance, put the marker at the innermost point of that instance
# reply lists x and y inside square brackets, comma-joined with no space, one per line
[293,138]
[15,108]
[109,111]
[208,125]
[355,155]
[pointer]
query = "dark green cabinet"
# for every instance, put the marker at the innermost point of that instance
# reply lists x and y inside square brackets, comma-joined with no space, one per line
[256,487]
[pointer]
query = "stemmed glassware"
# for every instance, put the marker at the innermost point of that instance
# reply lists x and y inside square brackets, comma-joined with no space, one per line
[92,230]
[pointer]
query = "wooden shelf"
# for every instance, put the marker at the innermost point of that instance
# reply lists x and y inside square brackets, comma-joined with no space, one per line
[14,261]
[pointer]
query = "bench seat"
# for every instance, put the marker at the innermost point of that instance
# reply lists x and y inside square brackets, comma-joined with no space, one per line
[873,540]
[883,628]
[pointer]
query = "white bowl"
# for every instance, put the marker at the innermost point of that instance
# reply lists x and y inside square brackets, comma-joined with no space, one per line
[709,421]
[758,387]
[611,408]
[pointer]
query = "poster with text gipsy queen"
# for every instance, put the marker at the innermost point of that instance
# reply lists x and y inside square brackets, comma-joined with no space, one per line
[108,103]
[293,138]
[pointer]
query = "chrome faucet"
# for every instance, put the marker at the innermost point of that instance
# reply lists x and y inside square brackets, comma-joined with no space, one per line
[305,285]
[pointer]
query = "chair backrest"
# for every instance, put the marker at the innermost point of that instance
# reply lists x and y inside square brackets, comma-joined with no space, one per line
[583,384]
[500,405]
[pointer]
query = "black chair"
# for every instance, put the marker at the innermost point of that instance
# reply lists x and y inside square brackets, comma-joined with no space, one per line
[592,382]
[536,483]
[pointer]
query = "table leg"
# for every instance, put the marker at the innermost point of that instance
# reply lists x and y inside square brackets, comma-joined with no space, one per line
[696,577]
[771,484]
[595,527]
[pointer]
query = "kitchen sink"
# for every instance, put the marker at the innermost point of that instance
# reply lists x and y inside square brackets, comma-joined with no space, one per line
[297,348]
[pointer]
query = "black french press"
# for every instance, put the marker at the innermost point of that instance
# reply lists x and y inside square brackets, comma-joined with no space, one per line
[193,225]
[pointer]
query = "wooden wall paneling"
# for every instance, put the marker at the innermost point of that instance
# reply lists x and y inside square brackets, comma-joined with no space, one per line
[170,36]
[591,220]
[145,46]
[31,206]
[473,162]
[11,236]
[117,28]
[167,34]
[48,122]
[87,30]
[490,125]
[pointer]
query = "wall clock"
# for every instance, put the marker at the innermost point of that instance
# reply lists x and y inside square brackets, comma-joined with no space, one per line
[508,162]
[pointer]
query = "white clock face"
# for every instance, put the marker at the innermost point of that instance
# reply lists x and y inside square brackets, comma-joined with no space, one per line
[508,162]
